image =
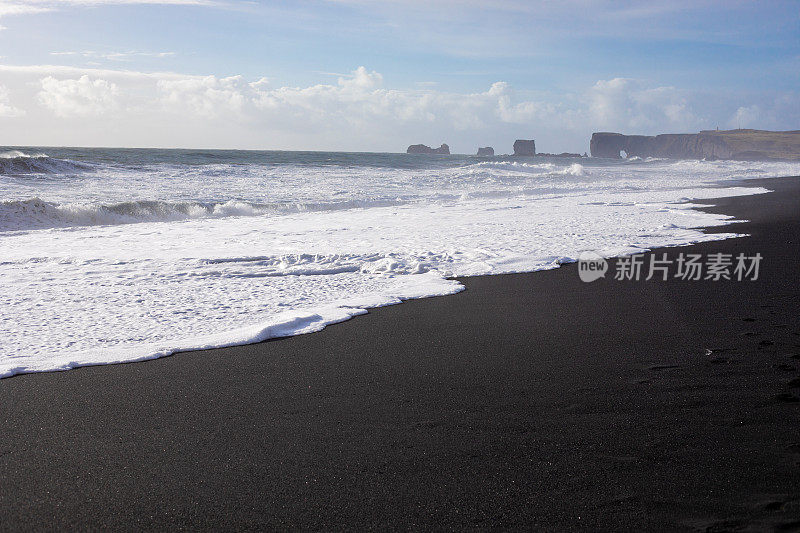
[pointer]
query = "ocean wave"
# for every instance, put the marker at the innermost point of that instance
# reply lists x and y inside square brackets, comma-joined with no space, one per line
[14,162]
[35,213]
[648,159]
[575,169]
[15,154]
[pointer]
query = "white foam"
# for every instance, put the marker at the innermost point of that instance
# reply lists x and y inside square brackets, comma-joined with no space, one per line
[575,169]
[13,154]
[322,249]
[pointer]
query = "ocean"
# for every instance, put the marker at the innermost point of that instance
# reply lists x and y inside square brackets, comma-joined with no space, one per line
[115,255]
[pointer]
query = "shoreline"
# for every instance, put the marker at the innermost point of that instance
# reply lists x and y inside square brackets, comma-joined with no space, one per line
[526,400]
[311,320]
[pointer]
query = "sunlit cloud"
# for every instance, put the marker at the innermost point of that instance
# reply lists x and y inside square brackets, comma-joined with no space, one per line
[356,110]
[6,109]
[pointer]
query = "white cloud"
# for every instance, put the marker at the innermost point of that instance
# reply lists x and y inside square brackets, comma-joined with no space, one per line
[746,117]
[361,80]
[209,97]
[780,112]
[78,97]
[628,105]
[6,109]
[360,101]
[9,8]
[357,111]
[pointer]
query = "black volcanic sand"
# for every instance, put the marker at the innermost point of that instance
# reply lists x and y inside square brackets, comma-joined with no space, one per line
[530,400]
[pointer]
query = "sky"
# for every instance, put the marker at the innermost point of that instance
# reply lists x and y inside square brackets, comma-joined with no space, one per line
[360,75]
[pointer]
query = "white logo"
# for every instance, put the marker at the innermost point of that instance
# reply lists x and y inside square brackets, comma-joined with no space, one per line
[591,266]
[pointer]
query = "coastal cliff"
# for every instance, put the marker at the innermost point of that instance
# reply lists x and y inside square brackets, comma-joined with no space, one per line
[732,144]
[485,152]
[422,149]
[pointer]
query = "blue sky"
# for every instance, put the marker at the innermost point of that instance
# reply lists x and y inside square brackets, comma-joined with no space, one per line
[379,75]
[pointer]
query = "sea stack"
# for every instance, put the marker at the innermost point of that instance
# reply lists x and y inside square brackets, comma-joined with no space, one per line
[422,149]
[485,152]
[525,147]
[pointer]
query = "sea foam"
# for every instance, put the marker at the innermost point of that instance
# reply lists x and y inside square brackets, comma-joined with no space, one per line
[140,255]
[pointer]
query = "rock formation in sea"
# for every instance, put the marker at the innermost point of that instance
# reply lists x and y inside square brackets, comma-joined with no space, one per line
[486,152]
[422,149]
[731,144]
[562,154]
[524,147]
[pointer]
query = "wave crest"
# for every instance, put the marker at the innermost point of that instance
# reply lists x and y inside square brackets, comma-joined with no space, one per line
[15,162]
[575,169]
[15,154]
[35,213]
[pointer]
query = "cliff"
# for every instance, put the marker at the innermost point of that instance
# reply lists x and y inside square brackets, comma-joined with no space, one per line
[422,149]
[732,144]
[485,152]
[524,147]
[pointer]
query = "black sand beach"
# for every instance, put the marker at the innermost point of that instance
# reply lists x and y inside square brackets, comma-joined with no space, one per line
[531,400]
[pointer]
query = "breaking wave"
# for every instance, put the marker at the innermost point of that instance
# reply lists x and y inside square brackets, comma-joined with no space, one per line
[575,169]
[35,213]
[15,154]
[14,162]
